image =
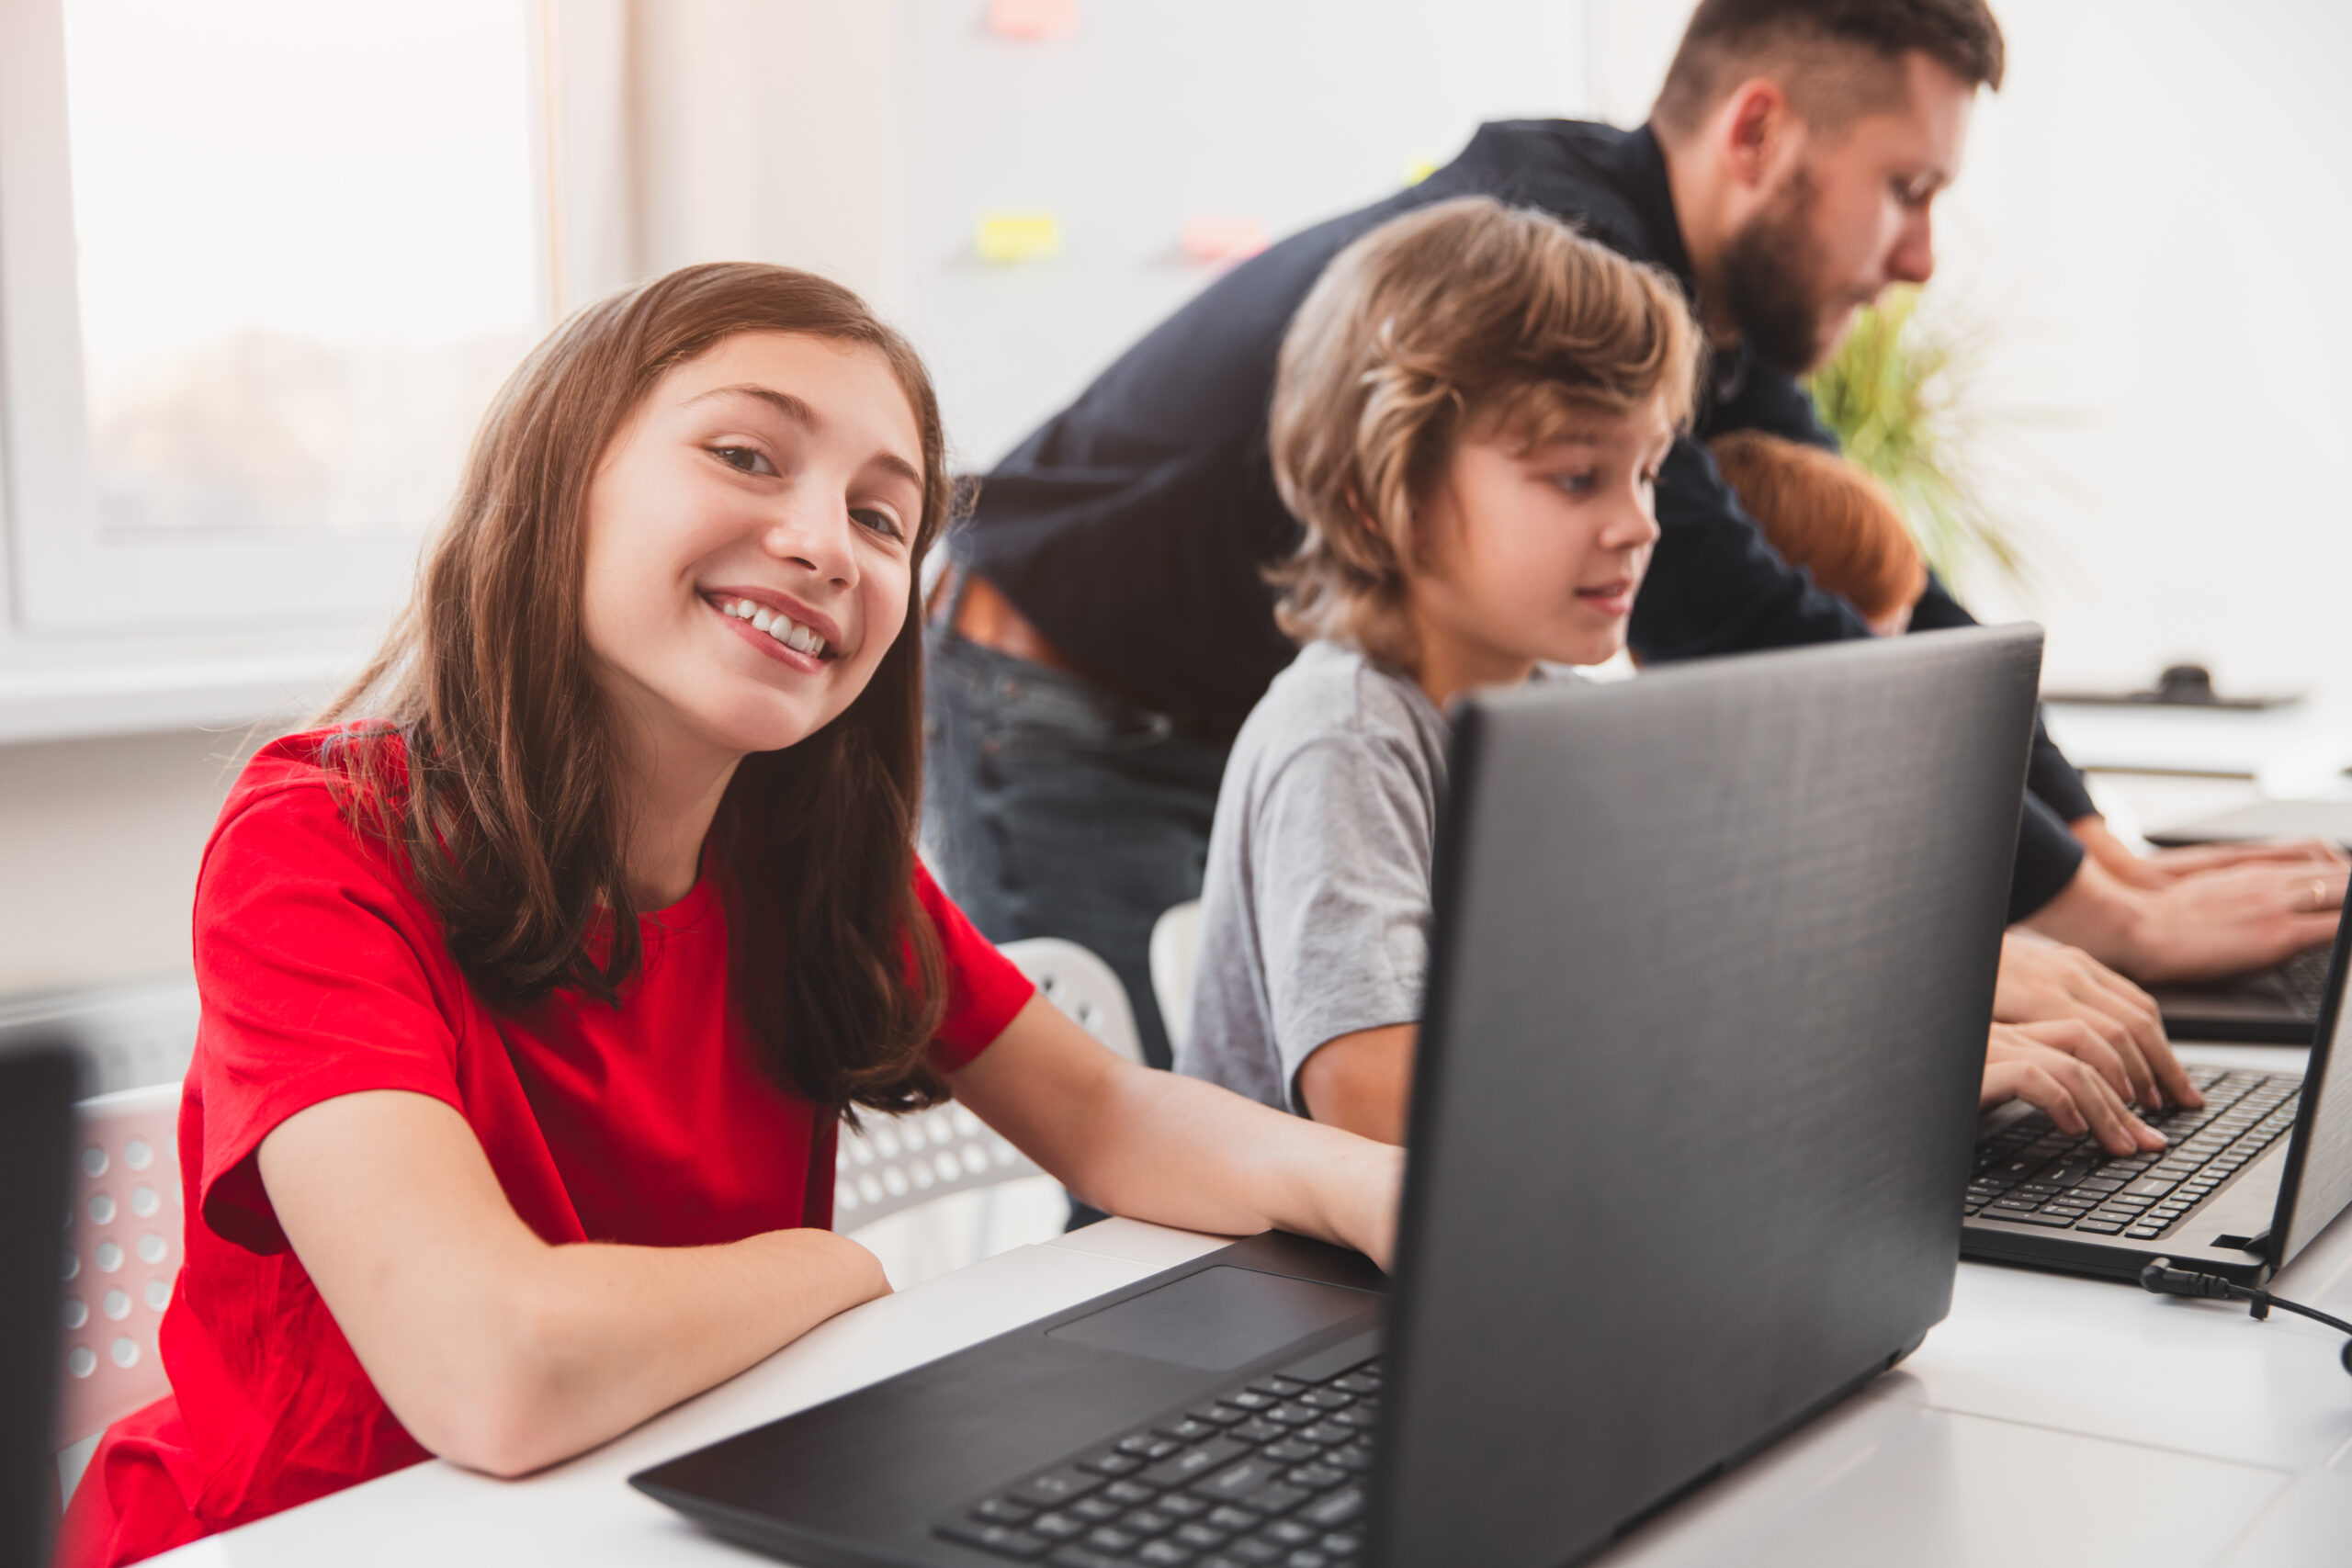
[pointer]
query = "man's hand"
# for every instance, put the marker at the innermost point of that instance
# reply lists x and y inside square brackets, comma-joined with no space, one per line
[2045,982]
[2164,868]
[2200,927]
[2066,1071]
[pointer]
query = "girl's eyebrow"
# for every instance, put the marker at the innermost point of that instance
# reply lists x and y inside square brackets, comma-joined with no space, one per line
[794,409]
[799,411]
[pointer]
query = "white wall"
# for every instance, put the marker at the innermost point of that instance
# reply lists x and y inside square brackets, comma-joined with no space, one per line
[100,841]
[2151,221]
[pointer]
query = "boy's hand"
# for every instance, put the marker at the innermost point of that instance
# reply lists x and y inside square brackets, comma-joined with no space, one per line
[2051,1066]
[2046,982]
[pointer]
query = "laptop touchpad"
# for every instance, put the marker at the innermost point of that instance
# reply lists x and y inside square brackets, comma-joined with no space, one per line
[1219,1318]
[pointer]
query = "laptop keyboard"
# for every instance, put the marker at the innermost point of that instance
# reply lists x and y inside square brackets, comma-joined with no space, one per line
[1268,1474]
[2031,1173]
[2304,977]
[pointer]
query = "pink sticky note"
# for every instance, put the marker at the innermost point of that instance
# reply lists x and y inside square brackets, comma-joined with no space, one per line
[1218,237]
[1033,18]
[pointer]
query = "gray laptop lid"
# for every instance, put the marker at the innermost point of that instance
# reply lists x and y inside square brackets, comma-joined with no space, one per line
[1754,907]
[2317,1183]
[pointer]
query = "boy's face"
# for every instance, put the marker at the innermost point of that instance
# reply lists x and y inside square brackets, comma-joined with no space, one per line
[1533,553]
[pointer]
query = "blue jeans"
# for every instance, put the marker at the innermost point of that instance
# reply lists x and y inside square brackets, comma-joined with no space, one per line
[1053,807]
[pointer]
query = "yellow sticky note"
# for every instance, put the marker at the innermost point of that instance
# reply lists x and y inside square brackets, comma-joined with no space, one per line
[1018,237]
[1418,170]
[1033,18]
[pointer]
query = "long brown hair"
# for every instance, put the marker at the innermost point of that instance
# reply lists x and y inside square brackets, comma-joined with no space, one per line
[504,798]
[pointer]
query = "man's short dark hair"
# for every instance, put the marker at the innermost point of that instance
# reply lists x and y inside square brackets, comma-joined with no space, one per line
[1813,48]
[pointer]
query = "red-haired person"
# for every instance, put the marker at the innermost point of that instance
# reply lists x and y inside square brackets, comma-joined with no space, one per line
[535,983]
[1828,515]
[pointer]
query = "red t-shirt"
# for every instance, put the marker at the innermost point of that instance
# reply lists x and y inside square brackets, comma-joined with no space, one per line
[323,973]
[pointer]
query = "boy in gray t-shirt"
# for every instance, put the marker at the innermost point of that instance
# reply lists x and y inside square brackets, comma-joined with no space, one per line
[1468,418]
[1315,911]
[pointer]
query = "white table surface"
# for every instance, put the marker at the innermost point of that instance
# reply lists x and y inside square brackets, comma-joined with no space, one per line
[2048,1419]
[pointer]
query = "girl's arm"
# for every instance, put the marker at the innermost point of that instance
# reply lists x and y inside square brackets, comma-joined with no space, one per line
[1155,1146]
[494,1348]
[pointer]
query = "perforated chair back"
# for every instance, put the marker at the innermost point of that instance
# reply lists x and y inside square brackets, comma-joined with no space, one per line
[895,1162]
[124,1250]
[1175,943]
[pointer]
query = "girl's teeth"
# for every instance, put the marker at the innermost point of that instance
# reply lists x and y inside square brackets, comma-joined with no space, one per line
[785,629]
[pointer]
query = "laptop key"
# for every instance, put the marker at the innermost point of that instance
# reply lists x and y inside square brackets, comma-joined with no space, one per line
[2101,1227]
[1102,1538]
[1057,1526]
[1255,1430]
[1339,1508]
[1127,1495]
[1083,1557]
[1056,1486]
[1177,1506]
[1193,1463]
[1101,1510]
[996,1511]
[1002,1540]
[1280,1497]
[1240,1480]
[1164,1554]
[1111,1464]
[1229,1518]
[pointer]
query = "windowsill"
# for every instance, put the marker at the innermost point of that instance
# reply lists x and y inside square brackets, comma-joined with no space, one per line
[63,704]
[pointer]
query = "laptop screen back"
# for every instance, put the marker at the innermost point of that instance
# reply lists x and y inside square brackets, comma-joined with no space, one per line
[1712,964]
[38,1076]
[2318,1182]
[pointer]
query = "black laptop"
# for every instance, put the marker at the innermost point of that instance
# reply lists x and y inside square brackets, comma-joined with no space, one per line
[1652,1222]
[2249,1179]
[39,1073]
[2281,1005]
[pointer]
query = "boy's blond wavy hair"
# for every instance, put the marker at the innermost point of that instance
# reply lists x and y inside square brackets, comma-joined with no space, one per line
[1466,318]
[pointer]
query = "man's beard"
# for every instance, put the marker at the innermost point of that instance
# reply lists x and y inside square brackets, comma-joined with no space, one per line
[1769,279]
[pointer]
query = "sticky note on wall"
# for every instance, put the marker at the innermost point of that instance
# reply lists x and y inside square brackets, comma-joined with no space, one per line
[1018,237]
[1417,170]
[1212,237]
[1033,19]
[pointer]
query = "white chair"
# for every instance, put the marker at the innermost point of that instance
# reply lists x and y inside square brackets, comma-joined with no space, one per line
[122,1255]
[1175,943]
[895,1162]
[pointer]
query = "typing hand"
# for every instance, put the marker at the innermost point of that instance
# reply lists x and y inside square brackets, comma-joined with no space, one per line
[2164,868]
[2046,982]
[2051,1066]
[2200,927]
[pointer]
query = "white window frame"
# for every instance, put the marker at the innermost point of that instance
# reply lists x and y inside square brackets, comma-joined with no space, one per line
[115,634]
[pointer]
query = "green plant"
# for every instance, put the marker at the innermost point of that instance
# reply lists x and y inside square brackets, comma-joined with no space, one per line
[1900,396]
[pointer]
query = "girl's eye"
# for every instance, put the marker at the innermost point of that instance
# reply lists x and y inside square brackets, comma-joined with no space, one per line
[1575,484]
[881,523]
[744,459]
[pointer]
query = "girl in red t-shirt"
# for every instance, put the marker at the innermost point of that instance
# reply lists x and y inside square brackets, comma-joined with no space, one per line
[535,985]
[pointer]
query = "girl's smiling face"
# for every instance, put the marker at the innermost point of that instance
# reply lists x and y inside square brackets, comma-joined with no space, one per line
[750,542]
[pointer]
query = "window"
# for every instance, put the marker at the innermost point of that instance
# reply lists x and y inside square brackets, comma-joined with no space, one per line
[264,264]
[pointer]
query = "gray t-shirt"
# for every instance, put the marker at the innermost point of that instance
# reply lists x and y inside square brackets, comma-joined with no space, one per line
[1314,912]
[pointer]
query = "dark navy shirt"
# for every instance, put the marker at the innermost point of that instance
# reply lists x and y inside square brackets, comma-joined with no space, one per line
[1133,528]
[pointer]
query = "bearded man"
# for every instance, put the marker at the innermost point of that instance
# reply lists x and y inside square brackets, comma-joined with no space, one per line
[1107,626]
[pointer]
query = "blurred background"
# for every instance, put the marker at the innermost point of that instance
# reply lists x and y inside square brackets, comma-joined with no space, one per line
[263,263]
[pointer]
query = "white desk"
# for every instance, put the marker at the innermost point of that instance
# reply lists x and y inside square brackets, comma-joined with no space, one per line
[2048,1419]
